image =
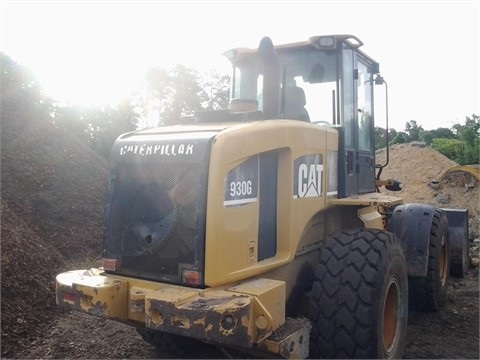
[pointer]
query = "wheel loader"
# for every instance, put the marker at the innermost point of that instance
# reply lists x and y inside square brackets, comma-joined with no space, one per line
[267,226]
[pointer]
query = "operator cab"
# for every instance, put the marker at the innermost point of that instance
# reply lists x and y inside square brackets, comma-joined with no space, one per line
[326,80]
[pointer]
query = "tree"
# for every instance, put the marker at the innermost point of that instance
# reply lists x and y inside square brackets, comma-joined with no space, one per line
[21,97]
[440,133]
[464,146]
[451,148]
[106,124]
[177,92]
[470,134]
[400,138]
[392,133]
[184,90]
[470,130]
[217,88]
[187,96]
[413,130]
[99,126]
[73,118]
[381,137]
[159,89]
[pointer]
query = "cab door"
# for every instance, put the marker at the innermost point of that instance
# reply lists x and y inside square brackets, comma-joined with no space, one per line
[365,128]
[357,120]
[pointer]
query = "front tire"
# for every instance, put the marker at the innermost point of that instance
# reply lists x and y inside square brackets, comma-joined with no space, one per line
[359,298]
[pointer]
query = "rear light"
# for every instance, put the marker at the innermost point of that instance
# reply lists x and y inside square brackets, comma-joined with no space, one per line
[69,297]
[191,277]
[110,264]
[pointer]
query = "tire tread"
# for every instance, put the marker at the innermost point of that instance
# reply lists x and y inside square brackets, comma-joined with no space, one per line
[345,290]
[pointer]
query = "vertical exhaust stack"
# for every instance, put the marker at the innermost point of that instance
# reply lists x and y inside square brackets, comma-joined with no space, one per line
[271,78]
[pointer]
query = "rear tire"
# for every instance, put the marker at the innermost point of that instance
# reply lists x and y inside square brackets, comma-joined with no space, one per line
[430,292]
[359,298]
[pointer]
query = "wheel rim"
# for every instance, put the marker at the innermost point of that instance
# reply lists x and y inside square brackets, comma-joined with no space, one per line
[390,318]
[443,262]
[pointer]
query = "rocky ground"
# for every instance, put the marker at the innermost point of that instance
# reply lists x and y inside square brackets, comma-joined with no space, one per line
[51,220]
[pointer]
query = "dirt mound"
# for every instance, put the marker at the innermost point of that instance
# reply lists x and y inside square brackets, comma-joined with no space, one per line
[54,180]
[53,188]
[421,171]
[28,264]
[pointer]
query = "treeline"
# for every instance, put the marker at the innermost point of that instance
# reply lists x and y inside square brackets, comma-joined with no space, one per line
[460,143]
[180,91]
[169,95]
[184,90]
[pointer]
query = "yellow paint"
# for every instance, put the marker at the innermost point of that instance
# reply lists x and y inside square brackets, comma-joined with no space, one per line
[230,231]
[371,217]
[372,199]
[199,322]
[269,298]
[263,298]
[475,171]
[98,295]
[257,305]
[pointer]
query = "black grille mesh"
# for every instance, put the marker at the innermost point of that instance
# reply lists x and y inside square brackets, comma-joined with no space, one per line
[152,220]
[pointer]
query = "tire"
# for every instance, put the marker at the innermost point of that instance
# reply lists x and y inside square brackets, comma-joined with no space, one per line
[459,265]
[359,297]
[458,241]
[429,293]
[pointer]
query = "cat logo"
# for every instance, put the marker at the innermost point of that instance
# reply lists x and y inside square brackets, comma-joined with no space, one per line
[308,176]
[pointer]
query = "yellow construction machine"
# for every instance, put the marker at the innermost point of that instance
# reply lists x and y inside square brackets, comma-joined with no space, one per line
[261,227]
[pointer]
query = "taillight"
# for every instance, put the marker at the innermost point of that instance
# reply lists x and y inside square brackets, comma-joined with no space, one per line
[68,297]
[191,277]
[110,264]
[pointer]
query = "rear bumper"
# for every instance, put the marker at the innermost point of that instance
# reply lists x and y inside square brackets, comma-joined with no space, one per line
[241,315]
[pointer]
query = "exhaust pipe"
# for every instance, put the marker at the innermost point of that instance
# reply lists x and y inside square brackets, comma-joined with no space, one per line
[271,78]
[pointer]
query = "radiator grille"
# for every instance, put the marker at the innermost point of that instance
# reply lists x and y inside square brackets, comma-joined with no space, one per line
[152,223]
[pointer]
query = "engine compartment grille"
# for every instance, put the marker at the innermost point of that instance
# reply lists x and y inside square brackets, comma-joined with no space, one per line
[152,219]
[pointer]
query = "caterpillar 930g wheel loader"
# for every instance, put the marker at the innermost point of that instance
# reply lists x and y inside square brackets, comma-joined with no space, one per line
[262,226]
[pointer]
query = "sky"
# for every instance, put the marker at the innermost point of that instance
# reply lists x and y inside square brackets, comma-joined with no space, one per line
[97,52]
